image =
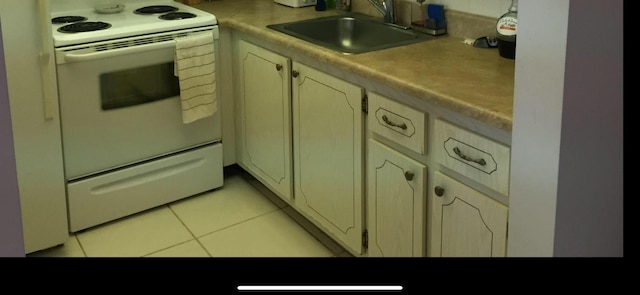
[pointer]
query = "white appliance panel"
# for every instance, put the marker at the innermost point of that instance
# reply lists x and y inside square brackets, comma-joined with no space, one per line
[95,140]
[35,123]
[125,146]
[107,197]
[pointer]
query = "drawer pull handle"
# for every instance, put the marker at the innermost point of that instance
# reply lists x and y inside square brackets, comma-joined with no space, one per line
[278,67]
[439,191]
[402,126]
[481,161]
[408,175]
[295,73]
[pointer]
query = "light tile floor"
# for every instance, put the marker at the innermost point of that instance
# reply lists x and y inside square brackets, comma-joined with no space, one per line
[240,219]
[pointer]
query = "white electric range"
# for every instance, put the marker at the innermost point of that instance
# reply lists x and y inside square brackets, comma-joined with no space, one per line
[126,148]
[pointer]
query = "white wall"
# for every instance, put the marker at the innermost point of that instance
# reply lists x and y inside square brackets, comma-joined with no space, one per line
[490,8]
[537,115]
[566,175]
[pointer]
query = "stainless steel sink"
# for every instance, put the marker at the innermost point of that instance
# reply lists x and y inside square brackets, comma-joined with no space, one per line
[351,33]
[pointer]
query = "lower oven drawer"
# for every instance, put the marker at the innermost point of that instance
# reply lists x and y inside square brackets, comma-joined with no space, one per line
[123,192]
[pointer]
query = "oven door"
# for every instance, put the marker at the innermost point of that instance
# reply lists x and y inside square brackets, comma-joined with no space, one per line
[120,104]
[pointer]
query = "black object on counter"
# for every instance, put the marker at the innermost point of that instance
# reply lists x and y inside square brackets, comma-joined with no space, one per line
[507,49]
[321,5]
[486,42]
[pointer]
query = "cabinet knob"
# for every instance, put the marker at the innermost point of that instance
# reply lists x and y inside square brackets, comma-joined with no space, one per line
[278,67]
[408,175]
[439,191]
[295,73]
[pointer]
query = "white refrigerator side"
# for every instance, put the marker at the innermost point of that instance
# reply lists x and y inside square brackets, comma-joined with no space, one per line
[11,241]
[30,68]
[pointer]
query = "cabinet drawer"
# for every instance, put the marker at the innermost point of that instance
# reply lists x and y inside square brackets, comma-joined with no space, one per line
[474,156]
[397,122]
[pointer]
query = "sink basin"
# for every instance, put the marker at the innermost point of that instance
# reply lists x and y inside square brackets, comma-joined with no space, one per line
[351,33]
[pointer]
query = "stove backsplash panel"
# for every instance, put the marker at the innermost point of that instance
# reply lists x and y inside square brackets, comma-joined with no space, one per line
[67,5]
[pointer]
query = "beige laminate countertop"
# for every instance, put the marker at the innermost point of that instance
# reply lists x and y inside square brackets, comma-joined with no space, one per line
[474,82]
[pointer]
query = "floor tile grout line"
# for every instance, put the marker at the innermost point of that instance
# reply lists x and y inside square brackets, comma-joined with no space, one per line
[238,223]
[262,189]
[233,171]
[203,247]
[197,238]
[84,252]
[190,232]
[314,235]
[279,205]
[140,213]
[178,244]
[155,251]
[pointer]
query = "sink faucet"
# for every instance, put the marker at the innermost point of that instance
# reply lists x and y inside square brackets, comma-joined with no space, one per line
[388,9]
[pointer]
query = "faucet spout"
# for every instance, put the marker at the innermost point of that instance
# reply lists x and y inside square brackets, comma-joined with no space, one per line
[387,8]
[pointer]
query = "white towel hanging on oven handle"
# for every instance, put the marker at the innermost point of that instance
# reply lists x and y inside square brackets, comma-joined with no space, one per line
[195,69]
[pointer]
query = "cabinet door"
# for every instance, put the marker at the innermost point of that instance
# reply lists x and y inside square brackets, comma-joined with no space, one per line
[465,222]
[395,203]
[264,123]
[328,153]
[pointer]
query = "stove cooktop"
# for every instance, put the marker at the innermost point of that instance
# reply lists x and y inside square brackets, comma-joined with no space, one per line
[137,18]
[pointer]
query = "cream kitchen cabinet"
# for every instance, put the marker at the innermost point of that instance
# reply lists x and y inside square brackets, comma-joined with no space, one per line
[464,221]
[328,145]
[263,131]
[301,132]
[396,203]
[297,123]
[396,184]
[480,159]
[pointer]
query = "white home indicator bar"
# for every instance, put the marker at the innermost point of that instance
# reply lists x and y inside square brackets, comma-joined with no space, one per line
[319,288]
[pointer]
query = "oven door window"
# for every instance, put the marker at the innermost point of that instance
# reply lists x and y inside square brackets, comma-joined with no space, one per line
[137,86]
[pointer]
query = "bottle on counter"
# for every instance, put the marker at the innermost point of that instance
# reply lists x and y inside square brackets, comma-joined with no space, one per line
[343,5]
[507,28]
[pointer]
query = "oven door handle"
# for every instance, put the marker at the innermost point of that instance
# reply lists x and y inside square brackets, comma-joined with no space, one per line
[70,57]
